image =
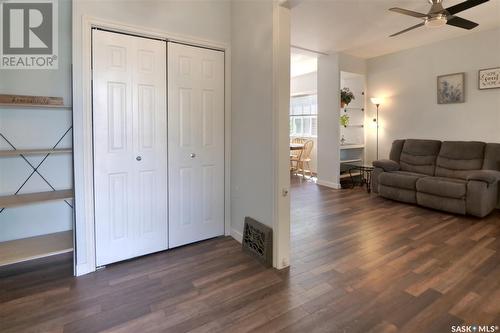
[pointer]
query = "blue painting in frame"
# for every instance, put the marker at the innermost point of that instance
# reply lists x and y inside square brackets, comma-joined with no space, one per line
[451,88]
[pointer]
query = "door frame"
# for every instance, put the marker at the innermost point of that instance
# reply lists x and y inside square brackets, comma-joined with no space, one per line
[85,254]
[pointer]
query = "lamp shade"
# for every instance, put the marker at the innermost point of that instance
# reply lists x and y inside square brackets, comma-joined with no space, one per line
[377,100]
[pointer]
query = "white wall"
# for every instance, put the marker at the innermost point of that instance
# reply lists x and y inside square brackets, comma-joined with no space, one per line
[209,19]
[304,84]
[408,81]
[252,177]
[38,128]
[260,95]
[328,120]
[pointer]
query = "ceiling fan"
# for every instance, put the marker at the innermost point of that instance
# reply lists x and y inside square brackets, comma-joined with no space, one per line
[439,16]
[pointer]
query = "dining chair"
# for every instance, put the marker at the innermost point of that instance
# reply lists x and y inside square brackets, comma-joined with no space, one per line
[299,140]
[304,158]
[294,154]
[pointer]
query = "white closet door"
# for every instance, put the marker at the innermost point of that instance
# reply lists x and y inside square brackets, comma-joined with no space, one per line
[196,143]
[130,149]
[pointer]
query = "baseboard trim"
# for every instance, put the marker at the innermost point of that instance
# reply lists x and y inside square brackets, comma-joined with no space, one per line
[238,236]
[335,186]
[83,269]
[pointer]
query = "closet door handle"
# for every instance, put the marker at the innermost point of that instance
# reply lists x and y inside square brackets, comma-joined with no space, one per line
[192,155]
[138,158]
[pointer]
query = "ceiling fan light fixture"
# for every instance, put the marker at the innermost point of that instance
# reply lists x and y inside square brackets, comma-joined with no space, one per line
[436,21]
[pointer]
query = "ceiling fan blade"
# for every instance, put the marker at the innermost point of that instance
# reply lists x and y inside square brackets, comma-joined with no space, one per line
[464,6]
[408,12]
[406,30]
[461,23]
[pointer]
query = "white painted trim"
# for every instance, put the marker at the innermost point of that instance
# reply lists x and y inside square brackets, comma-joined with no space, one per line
[83,269]
[82,126]
[151,32]
[335,186]
[227,140]
[82,136]
[238,236]
[281,136]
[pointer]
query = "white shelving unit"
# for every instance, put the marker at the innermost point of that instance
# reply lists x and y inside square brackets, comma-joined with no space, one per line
[34,151]
[19,250]
[352,146]
[15,200]
[351,161]
[352,152]
[35,106]
[25,249]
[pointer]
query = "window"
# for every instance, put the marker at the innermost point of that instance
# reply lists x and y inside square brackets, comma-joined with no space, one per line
[304,116]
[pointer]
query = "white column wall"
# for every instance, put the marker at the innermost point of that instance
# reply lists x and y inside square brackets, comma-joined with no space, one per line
[328,120]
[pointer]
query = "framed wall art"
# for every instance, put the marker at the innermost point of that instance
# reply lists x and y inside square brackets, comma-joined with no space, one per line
[451,88]
[489,78]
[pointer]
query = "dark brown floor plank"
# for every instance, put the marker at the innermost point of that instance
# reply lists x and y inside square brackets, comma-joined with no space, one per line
[360,263]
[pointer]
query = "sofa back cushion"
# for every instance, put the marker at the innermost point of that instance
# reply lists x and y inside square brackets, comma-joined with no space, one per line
[397,147]
[492,157]
[457,158]
[419,156]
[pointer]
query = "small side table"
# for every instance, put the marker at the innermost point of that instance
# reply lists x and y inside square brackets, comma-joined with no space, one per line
[365,173]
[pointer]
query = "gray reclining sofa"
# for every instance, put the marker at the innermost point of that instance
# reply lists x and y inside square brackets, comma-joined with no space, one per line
[454,176]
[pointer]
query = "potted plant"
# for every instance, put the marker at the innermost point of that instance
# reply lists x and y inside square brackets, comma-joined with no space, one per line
[344,120]
[346,96]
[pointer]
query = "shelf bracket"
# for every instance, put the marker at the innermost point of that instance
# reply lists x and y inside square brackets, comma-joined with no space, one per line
[35,168]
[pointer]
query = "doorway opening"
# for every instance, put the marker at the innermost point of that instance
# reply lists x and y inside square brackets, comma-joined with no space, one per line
[303,115]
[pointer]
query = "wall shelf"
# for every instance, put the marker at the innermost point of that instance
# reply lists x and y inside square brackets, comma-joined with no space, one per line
[54,241]
[347,175]
[351,161]
[352,152]
[30,198]
[34,151]
[34,106]
[354,146]
[20,250]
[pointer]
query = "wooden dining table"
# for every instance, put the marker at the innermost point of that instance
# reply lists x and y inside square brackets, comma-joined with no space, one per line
[296,146]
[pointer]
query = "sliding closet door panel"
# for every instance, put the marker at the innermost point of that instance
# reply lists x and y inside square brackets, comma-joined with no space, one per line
[129,128]
[151,144]
[196,143]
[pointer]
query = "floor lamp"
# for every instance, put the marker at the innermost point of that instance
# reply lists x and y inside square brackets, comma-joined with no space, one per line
[377,101]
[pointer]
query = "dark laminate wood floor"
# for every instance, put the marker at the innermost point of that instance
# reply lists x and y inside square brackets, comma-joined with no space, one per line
[360,264]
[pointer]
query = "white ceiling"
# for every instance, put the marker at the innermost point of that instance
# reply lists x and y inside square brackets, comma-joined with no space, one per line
[361,27]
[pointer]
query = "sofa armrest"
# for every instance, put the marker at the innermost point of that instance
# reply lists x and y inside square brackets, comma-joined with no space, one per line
[386,165]
[487,176]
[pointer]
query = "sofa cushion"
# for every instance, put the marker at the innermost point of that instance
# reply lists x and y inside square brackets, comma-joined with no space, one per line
[487,176]
[397,147]
[386,165]
[492,157]
[400,179]
[443,187]
[398,194]
[457,157]
[419,156]
[451,205]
